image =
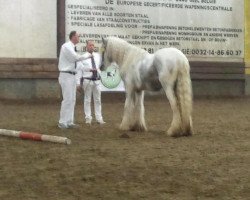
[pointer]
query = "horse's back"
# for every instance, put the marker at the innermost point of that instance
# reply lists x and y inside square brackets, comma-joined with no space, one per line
[170,58]
[170,53]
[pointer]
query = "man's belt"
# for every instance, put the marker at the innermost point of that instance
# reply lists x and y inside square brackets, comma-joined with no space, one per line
[93,79]
[69,72]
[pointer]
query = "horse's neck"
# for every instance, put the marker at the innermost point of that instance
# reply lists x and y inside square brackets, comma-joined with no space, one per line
[118,52]
[126,55]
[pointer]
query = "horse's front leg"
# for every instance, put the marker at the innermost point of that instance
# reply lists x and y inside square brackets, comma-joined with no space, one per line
[138,123]
[128,111]
[133,118]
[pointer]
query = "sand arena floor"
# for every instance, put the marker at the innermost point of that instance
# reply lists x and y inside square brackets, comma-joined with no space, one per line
[99,164]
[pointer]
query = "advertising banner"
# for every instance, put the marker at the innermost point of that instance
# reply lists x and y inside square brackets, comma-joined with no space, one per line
[204,30]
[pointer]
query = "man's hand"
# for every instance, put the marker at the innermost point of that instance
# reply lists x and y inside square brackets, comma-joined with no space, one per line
[79,88]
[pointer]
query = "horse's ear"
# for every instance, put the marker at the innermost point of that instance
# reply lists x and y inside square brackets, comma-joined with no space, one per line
[104,41]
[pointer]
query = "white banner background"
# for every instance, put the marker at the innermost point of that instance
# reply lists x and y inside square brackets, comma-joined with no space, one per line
[205,30]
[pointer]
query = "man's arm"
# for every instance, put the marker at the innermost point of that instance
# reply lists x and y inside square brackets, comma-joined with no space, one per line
[78,76]
[79,73]
[73,56]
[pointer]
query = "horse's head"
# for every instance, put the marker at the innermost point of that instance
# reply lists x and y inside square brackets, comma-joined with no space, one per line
[105,59]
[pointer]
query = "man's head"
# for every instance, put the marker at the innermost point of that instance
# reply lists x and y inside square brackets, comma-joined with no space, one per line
[90,46]
[74,37]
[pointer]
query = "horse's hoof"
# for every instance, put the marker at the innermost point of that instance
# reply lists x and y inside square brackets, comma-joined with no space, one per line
[179,133]
[174,133]
[138,127]
[124,128]
[187,133]
[135,127]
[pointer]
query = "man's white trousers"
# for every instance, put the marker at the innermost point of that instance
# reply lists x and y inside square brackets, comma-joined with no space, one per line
[92,87]
[68,86]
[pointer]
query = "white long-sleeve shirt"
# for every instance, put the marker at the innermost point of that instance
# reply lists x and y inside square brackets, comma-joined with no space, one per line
[84,67]
[68,57]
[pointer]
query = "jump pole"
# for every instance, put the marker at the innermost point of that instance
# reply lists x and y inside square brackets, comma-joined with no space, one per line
[35,136]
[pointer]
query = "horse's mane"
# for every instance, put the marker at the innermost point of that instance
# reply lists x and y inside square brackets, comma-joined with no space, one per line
[124,53]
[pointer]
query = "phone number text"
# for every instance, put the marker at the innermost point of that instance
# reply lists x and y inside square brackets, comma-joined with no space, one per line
[205,52]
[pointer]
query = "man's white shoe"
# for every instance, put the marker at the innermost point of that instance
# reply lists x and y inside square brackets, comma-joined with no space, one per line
[101,122]
[62,126]
[88,121]
[73,126]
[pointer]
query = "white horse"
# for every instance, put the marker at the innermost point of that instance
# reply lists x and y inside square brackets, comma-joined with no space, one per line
[168,68]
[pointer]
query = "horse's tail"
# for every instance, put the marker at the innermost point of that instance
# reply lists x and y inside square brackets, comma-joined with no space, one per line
[184,96]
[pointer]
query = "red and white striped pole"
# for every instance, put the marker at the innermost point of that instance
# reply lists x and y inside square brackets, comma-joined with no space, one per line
[35,136]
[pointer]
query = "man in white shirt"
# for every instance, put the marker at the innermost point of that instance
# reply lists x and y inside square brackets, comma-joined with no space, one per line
[67,67]
[89,70]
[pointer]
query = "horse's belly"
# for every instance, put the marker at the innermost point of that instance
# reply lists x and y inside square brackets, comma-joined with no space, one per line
[148,74]
[153,85]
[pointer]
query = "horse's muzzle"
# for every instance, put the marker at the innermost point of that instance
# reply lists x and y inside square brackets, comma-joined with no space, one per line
[102,67]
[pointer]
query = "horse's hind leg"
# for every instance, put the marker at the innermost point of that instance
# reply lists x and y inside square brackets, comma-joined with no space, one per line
[175,129]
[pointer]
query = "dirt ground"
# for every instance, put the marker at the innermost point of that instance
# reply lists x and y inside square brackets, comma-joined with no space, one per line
[99,164]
